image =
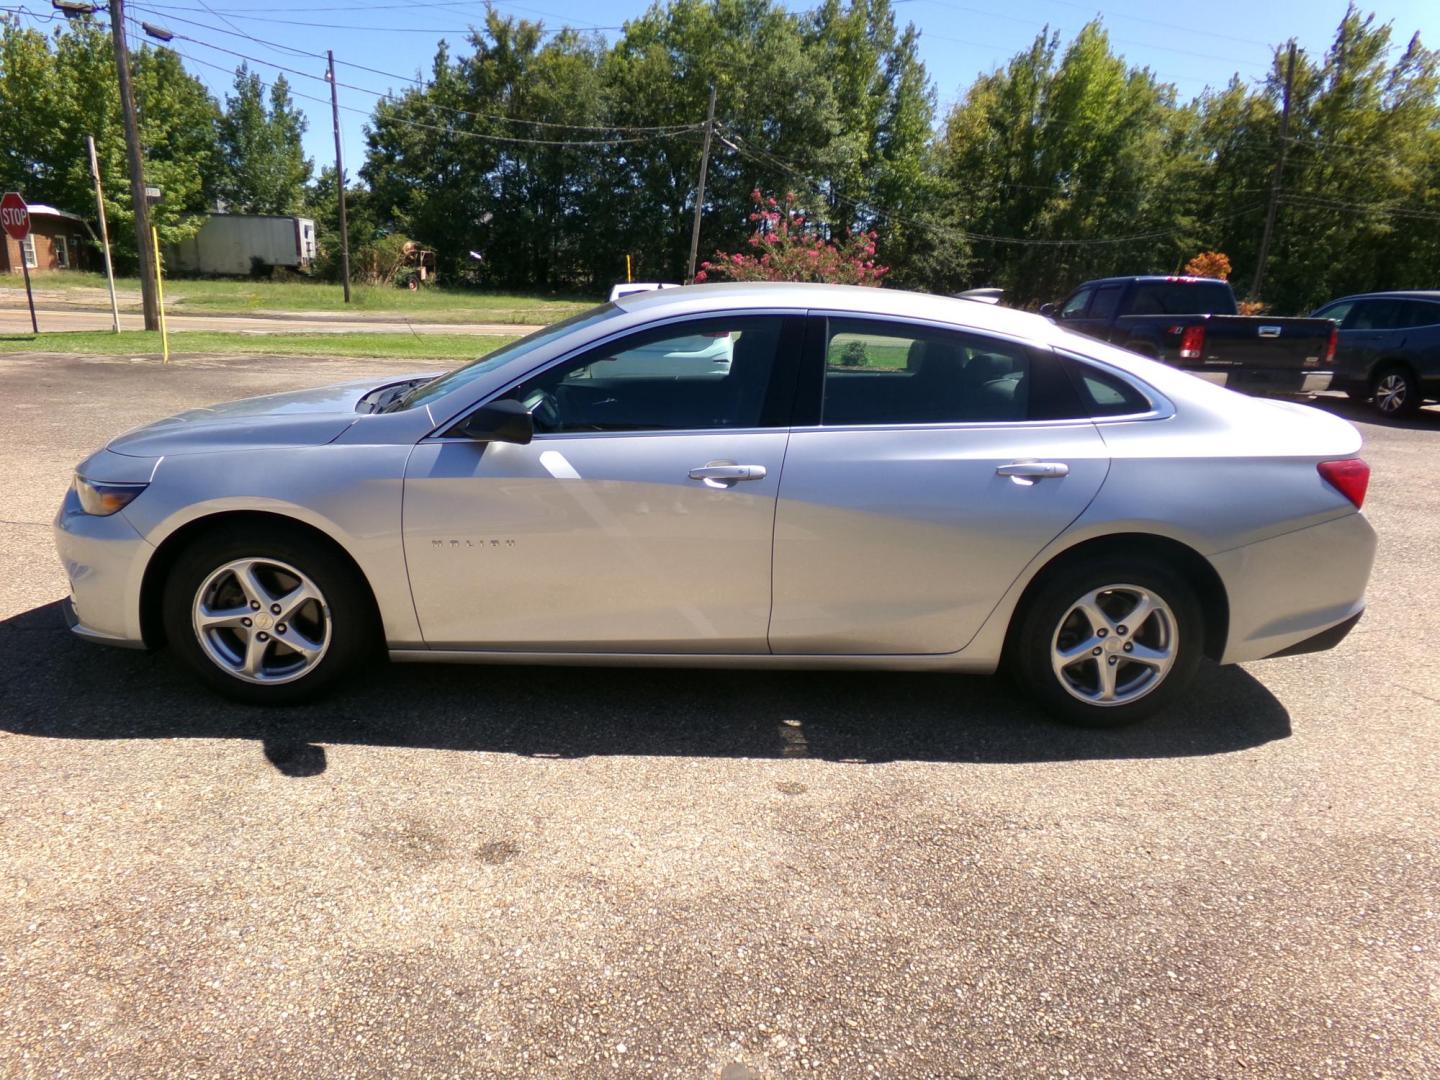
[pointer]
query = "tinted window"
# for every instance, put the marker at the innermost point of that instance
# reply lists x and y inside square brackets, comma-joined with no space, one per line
[1182,298]
[1103,394]
[1422,313]
[453,380]
[1375,315]
[1075,306]
[1336,311]
[890,373]
[705,374]
[1107,299]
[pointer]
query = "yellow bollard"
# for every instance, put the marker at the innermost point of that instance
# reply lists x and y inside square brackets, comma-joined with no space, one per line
[160,296]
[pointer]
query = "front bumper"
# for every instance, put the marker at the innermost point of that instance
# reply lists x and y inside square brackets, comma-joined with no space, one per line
[1294,587]
[104,558]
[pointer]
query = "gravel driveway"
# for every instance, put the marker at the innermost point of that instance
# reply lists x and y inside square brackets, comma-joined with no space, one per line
[551,872]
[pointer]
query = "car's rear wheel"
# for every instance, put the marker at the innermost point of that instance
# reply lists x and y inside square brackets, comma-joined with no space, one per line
[269,617]
[1108,641]
[1396,392]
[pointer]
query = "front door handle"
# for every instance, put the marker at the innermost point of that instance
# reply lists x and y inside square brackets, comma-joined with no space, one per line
[1034,470]
[722,474]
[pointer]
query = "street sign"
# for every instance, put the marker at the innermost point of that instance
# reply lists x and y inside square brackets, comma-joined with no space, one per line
[15,218]
[15,215]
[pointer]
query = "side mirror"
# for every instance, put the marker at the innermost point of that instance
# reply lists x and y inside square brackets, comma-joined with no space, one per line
[501,421]
[1047,310]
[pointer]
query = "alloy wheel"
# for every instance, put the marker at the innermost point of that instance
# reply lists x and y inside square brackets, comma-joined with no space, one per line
[1391,391]
[1114,645]
[261,621]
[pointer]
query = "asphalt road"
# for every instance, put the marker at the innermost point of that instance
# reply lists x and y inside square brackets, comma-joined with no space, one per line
[475,871]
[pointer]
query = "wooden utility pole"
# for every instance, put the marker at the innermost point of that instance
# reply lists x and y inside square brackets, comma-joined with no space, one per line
[700,191]
[339,178]
[104,230]
[1277,179]
[148,301]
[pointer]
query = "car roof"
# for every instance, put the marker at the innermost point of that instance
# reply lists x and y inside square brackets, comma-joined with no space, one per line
[853,299]
[1187,279]
[1394,294]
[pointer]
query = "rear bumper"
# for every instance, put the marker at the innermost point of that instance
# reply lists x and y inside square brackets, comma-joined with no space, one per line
[1295,588]
[1326,639]
[1267,381]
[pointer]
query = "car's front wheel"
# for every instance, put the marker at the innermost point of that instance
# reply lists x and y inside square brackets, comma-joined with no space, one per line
[267,616]
[1108,641]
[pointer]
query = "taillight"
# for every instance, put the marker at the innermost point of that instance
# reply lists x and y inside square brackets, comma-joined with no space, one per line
[1192,342]
[1330,345]
[1350,477]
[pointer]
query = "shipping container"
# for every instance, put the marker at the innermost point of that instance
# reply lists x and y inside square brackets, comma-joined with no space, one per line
[236,245]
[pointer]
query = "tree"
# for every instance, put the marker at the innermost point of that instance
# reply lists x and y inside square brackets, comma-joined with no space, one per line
[1211,264]
[263,167]
[785,247]
[55,90]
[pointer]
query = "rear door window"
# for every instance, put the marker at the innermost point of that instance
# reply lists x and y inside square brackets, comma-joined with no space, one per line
[1381,314]
[894,373]
[1422,313]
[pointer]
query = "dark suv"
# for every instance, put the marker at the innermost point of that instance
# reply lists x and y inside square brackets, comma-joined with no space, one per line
[1389,348]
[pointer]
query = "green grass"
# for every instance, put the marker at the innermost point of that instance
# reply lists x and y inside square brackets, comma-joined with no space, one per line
[457,347]
[876,354]
[433,304]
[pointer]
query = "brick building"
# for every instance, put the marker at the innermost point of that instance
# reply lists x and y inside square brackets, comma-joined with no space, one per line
[58,240]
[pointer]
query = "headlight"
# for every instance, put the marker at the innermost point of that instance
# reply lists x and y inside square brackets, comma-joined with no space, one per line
[102,500]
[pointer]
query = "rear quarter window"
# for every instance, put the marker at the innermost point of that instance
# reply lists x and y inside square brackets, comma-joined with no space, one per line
[1103,394]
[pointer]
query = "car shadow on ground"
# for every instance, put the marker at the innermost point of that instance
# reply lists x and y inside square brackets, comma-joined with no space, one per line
[54,685]
[1362,412]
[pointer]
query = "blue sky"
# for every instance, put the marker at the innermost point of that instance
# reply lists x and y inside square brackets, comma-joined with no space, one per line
[1191,46]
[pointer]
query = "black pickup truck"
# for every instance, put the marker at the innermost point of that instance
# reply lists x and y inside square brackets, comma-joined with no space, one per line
[1191,323]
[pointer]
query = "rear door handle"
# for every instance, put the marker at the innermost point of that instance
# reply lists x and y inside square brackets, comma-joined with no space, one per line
[721,474]
[1034,470]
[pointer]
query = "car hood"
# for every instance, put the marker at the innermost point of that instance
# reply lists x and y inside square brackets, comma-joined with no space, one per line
[298,418]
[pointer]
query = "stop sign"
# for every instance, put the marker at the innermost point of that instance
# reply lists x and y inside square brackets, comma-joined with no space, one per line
[15,215]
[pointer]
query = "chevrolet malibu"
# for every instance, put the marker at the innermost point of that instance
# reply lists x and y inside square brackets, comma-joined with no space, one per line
[873,479]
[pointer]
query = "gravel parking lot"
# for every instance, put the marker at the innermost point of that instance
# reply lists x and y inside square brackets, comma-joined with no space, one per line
[456,872]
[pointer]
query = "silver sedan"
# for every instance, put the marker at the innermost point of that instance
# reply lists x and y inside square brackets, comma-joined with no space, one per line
[877,479]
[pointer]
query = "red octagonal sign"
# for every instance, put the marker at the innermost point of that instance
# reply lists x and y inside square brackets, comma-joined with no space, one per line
[15,215]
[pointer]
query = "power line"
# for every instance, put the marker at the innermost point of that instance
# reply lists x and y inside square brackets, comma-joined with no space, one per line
[655,128]
[451,129]
[1325,202]
[158,9]
[766,158]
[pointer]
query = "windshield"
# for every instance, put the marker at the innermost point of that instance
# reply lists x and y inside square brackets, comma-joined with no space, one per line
[462,376]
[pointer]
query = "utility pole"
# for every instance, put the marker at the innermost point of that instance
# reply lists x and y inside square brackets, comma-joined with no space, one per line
[143,240]
[700,191]
[1277,179]
[104,231]
[339,178]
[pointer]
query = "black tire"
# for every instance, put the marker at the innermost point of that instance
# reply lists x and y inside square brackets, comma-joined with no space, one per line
[1038,628]
[344,602]
[1396,391]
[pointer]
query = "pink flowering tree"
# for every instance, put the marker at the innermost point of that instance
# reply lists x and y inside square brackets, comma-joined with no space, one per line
[784,247]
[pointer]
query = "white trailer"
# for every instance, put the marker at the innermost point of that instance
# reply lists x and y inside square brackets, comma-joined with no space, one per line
[240,245]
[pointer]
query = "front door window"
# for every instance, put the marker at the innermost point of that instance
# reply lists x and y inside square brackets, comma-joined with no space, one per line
[695,376]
